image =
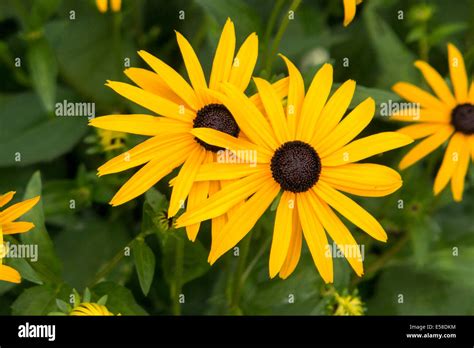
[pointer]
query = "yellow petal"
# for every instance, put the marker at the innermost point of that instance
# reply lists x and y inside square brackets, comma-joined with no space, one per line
[243,149]
[315,236]
[101,5]
[140,124]
[366,147]
[436,82]
[334,110]
[295,95]
[248,117]
[191,61]
[351,210]
[274,109]
[349,11]
[174,80]
[373,180]
[6,198]
[426,146]
[152,82]
[457,70]
[218,222]
[294,250]
[9,274]
[149,175]
[154,148]
[450,162]
[339,234]
[457,182]
[17,227]
[184,180]
[227,171]
[244,219]
[220,202]
[348,129]
[198,194]
[313,103]
[422,115]
[282,232]
[281,89]
[16,210]
[115,5]
[224,56]
[418,131]
[152,102]
[244,63]
[415,94]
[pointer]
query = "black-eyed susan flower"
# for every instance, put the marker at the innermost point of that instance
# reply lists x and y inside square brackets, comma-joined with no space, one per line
[90,309]
[441,118]
[103,5]
[8,225]
[307,152]
[183,107]
[350,10]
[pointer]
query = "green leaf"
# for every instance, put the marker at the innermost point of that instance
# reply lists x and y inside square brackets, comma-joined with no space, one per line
[63,306]
[48,266]
[33,138]
[39,300]
[440,33]
[394,60]
[26,271]
[145,264]
[423,232]
[43,71]
[119,299]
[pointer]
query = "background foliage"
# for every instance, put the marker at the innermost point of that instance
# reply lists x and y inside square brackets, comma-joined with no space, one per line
[63,59]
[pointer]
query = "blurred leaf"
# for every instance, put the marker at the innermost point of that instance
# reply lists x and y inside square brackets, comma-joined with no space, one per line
[119,299]
[26,271]
[440,33]
[394,60]
[41,11]
[58,196]
[43,71]
[33,137]
[39,300]
[63,306]
[424,230]
[145,264]
[48,266]
[245,18]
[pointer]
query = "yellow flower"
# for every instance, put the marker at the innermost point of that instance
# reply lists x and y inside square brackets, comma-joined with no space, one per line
[348,305]
[350,10]
[103,5]
[441,117]
[8,226]
[90,309]
[307,152]
[110,140]
[184,107]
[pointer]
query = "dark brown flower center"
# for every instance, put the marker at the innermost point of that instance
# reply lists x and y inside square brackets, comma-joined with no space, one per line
[462,118]
[215,116]
[296,166]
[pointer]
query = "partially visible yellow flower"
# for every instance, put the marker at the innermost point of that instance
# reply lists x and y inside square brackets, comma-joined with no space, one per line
[8,226]
[441,118]
[307,152]
[348,305]
[90,309]
[103,5]
[181,107]
[350,10]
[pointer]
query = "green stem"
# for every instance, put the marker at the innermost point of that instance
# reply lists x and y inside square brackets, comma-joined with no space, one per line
[237,280]
[382,261]
[177,282]
[276,41]
[269,28]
